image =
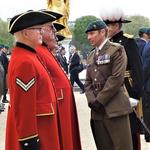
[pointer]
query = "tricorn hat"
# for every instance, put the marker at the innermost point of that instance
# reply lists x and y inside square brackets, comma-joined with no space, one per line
[58,26]
[28,19]
[95,25]
[114,16]
[59,37]
[58,15]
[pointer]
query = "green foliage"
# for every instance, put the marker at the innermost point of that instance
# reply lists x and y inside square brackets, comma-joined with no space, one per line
[5,37]
[79,35]
[137,22]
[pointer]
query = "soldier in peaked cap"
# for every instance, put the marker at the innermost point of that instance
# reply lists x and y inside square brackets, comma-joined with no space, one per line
[104,90]
[133,76]
[32,114]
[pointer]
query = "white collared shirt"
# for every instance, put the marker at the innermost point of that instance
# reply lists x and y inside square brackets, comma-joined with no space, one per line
[101,46]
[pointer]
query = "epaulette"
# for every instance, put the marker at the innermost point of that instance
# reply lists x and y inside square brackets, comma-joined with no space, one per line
[114,44]
[128,35]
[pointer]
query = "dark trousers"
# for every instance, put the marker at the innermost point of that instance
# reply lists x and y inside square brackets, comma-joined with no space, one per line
[135,131]
[99,132]
[146,113]
[112,134]
[74,77]
[5,88]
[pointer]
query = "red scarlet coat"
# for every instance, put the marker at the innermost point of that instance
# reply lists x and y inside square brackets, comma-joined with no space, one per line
[68,121]
[32,110]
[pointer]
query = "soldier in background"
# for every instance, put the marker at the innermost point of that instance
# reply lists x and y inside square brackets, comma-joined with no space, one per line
[133,76]
[62,59]
[5,61]
[1,82]
[146,84]
[141,41]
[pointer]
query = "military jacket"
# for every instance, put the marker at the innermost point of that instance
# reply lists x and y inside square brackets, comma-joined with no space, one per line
[105,79]
[134,72]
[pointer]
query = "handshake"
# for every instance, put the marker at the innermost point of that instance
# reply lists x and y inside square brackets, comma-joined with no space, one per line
[96,105]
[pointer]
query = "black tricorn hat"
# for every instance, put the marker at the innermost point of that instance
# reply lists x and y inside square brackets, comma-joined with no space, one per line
[58,26]
[59,37]
[54,13]
[28,19]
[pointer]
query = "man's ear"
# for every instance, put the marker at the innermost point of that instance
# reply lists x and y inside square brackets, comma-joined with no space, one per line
[24,33]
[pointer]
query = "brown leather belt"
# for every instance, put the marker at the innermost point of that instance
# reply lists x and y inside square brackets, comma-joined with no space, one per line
[98,86]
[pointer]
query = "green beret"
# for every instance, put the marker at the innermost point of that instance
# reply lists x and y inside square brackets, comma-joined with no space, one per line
[147,30]
[95,25]
[143,30]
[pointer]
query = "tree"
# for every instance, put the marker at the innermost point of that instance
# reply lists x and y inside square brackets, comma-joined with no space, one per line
[137,22]
[79,35]
[5,37]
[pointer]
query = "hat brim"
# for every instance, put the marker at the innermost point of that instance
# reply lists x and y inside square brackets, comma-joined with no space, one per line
[58,26]
[116,21]
[54,13]
[28,19]
[60,37]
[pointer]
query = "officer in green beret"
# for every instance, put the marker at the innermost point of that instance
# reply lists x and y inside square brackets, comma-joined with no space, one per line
[104,89]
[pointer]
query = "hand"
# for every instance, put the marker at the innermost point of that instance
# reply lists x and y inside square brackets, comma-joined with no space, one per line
[30,144]
[96,106]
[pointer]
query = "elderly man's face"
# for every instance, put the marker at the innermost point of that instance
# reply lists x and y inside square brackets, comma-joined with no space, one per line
[49,36]
[33,35]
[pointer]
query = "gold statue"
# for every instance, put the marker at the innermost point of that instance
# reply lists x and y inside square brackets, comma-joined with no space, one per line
[61,6]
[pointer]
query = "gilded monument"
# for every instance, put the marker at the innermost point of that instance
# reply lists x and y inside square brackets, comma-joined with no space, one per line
[61,6]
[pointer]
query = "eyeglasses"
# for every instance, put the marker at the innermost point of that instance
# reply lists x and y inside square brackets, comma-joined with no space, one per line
[40,29]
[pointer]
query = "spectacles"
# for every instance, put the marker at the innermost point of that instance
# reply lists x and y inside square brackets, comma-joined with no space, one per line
[40,29]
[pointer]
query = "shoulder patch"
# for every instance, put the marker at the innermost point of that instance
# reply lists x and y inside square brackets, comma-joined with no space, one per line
[128,35]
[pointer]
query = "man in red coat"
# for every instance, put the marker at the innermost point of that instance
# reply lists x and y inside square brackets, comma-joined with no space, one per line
[32,114]
[67,114]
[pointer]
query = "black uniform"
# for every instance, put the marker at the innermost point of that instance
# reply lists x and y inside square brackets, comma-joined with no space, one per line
[146,84]
[141,44]
[74,72]
[134,78]
[5,61]
[63,62]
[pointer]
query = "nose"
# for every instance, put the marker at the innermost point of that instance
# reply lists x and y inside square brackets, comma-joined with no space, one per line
[88,37]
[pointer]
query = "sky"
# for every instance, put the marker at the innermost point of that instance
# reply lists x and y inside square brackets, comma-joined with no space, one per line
[78,8]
